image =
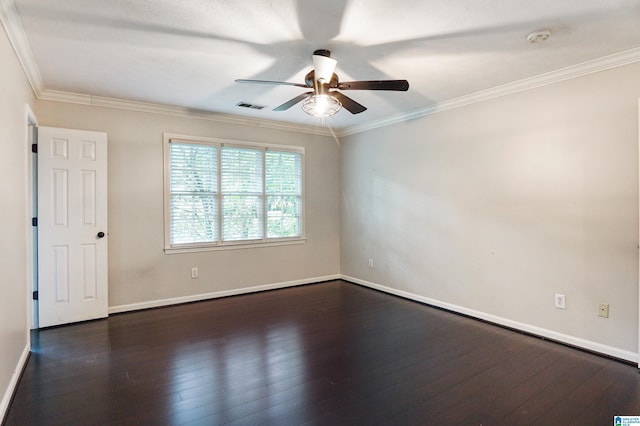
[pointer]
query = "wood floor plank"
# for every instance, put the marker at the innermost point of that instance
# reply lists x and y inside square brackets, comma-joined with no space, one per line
[331,353]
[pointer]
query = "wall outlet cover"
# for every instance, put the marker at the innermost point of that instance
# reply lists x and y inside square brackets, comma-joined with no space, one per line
[603,310]
[560,301]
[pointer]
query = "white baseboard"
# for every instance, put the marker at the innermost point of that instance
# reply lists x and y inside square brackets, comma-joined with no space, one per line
[6,399]
[549,334]
[217,294]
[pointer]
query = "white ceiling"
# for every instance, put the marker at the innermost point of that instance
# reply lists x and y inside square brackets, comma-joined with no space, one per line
[188,53]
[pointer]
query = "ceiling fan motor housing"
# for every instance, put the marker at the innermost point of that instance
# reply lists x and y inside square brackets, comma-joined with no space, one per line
[322,52]
[309,80]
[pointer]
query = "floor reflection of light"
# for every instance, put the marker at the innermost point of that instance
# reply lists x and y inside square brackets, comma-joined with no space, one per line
[263,368]
[194,378]
[285,361]
[245,373]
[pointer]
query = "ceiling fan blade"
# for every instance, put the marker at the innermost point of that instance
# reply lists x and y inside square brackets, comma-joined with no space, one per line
[292,102]
[279,83]
[349,104]
[397,85]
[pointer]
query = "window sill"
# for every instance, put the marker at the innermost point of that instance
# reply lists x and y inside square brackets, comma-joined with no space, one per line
[232,246]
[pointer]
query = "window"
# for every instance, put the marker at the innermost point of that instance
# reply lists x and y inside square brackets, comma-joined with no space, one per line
[227,193]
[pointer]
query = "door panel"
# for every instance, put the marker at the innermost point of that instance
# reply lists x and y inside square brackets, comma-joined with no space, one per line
[72,210]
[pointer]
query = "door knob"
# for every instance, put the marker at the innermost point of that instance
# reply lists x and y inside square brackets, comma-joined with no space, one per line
[100,234]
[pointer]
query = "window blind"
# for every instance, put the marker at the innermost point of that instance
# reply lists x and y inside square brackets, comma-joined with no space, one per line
[283,181]
[242,193]
[193,187]
[220,193]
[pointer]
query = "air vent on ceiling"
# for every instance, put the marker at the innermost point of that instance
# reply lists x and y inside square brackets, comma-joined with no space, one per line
[248,105]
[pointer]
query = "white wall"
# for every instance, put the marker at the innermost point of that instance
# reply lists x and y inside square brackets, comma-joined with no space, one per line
[492,208]
[15,95]
[139,271]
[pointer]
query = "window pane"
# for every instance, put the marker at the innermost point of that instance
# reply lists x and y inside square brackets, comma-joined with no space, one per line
[283,172]
[241,170]
[193,168]
[283,181]
[194,219]
[283,216]
[242,217]
[193,183]
[241,179]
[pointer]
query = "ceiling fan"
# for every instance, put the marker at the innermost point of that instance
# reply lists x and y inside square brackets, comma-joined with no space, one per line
[325,99]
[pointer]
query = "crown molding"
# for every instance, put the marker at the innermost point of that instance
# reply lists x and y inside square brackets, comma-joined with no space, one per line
[100,101]
[14,29]
[12,24]
[567,73]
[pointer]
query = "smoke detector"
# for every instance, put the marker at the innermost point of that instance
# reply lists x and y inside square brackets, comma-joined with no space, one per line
[538,36]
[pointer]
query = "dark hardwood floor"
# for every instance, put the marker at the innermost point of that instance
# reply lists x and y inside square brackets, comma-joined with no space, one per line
[330,353]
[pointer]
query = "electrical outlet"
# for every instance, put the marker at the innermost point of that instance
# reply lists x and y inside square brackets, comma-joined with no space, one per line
[603,310]
[194,272]
[560,301]
[370,263]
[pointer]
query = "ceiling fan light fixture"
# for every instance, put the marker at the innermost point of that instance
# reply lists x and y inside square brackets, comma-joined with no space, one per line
[321,105]
[323,64]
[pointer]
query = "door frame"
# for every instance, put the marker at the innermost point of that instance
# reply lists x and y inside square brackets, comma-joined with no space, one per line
[31,232]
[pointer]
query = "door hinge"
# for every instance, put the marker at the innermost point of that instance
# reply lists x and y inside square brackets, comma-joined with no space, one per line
[35,295]
[34,221]
[34,148]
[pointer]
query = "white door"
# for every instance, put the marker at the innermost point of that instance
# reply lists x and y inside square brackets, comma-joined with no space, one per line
[72,226]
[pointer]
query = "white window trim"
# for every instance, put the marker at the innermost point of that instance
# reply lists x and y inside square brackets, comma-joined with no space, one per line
[228,245]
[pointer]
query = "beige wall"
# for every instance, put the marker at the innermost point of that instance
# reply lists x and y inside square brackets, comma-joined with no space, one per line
[489,209]
[139,271]
[492,208]
[16,94]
